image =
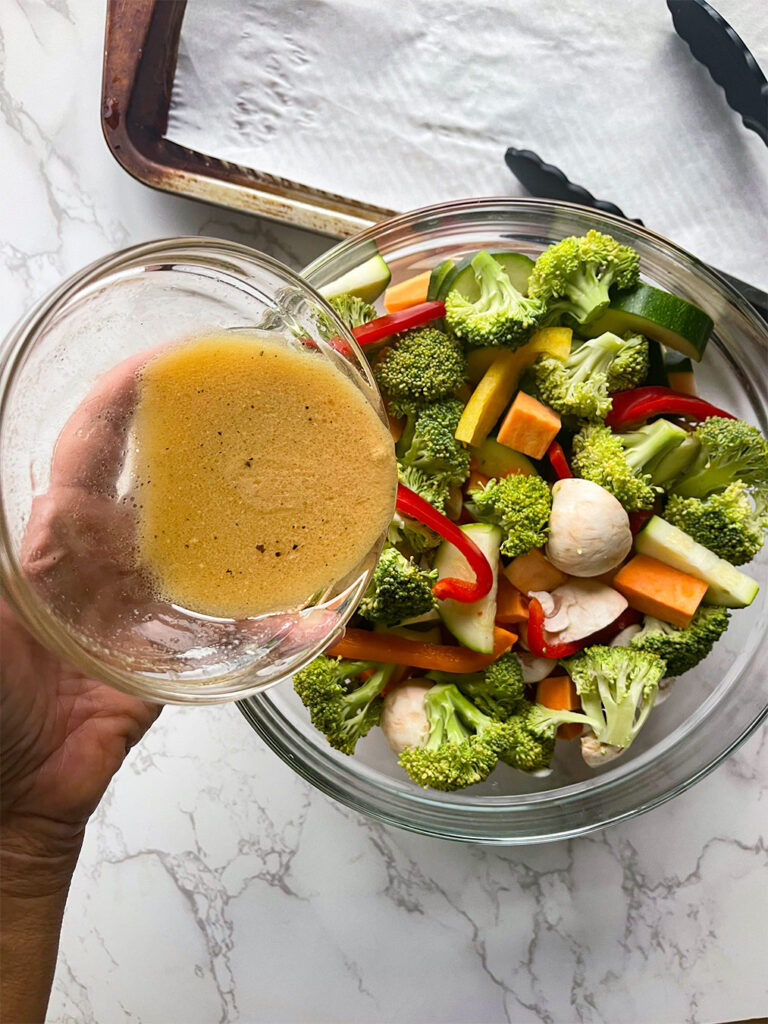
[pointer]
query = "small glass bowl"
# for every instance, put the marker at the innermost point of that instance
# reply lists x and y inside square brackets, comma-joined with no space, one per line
[708,713]
[91,608]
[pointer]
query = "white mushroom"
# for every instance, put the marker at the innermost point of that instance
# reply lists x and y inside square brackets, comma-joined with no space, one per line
[535,669]
[595,753]
[664,690]
[588,529]
[404,721]
[578,609]
[622,639]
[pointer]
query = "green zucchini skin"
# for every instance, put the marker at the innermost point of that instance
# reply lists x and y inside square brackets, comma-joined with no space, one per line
[666,318]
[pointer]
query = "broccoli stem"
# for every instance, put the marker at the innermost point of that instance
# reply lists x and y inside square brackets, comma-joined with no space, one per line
[589,294]
[361,697]
[494,284]
[622,720]
[671,464]
[591,357]
[444,726]
[641,446]
[711,478]
[452,713]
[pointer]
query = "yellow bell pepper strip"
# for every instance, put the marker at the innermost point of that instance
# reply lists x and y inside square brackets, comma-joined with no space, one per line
[502,379]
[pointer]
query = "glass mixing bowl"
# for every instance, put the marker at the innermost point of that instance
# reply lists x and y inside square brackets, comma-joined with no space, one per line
[66,536]
[708,713]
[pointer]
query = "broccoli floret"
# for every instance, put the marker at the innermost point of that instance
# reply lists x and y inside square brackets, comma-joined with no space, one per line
[617,687]
[682,649]
[730,450]
[352,311]
[418,537]
[398,590]
[581,386]
[574,276]
[420,367]
[624,464]
[499,691]
[530,749]
[630,367]
[340,705]
[463,744]
[725,522]
[520,505]
[499,315]
[429,443]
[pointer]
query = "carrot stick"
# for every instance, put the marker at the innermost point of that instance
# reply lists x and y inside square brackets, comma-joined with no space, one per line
[569,731]
[559,692]
[360,645]
[475,479]
[407,293]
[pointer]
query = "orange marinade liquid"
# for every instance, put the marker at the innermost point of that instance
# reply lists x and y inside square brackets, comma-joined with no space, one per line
[262,475]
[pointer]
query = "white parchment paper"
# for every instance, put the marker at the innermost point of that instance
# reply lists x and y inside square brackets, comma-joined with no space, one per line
[403,104]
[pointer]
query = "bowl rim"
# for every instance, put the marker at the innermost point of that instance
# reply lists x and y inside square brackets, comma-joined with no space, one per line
[331,783]
[372,793]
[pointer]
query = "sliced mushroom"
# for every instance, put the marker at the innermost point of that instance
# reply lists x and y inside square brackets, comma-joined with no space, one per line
[588,529]
[579,608]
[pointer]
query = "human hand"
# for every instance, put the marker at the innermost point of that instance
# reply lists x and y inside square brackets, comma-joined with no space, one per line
[62,738]
[63,735]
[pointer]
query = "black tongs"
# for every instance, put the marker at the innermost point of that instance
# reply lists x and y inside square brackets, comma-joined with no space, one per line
[713,42]
[724,54]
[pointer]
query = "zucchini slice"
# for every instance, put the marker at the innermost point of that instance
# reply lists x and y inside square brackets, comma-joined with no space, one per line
[727,585]
[516,265]
[367,281]
[666,318]
[497,460]
[437,277]
[471,623]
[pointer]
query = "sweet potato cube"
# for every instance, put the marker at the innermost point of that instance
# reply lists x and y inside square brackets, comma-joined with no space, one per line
[529,426]
[533,572]
[657,589]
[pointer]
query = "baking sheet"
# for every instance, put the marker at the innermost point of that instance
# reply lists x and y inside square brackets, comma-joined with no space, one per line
[404,104]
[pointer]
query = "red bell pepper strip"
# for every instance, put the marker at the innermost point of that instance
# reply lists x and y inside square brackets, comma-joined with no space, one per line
[413,505]
[539,647]
[537,643]
[558,461]
[339,344]
[632,407]
[394,323]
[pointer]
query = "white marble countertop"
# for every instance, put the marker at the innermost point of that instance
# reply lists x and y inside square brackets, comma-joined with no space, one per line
[215,885]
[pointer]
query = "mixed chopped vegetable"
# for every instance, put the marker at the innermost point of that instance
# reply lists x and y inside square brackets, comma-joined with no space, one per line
[569,520]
